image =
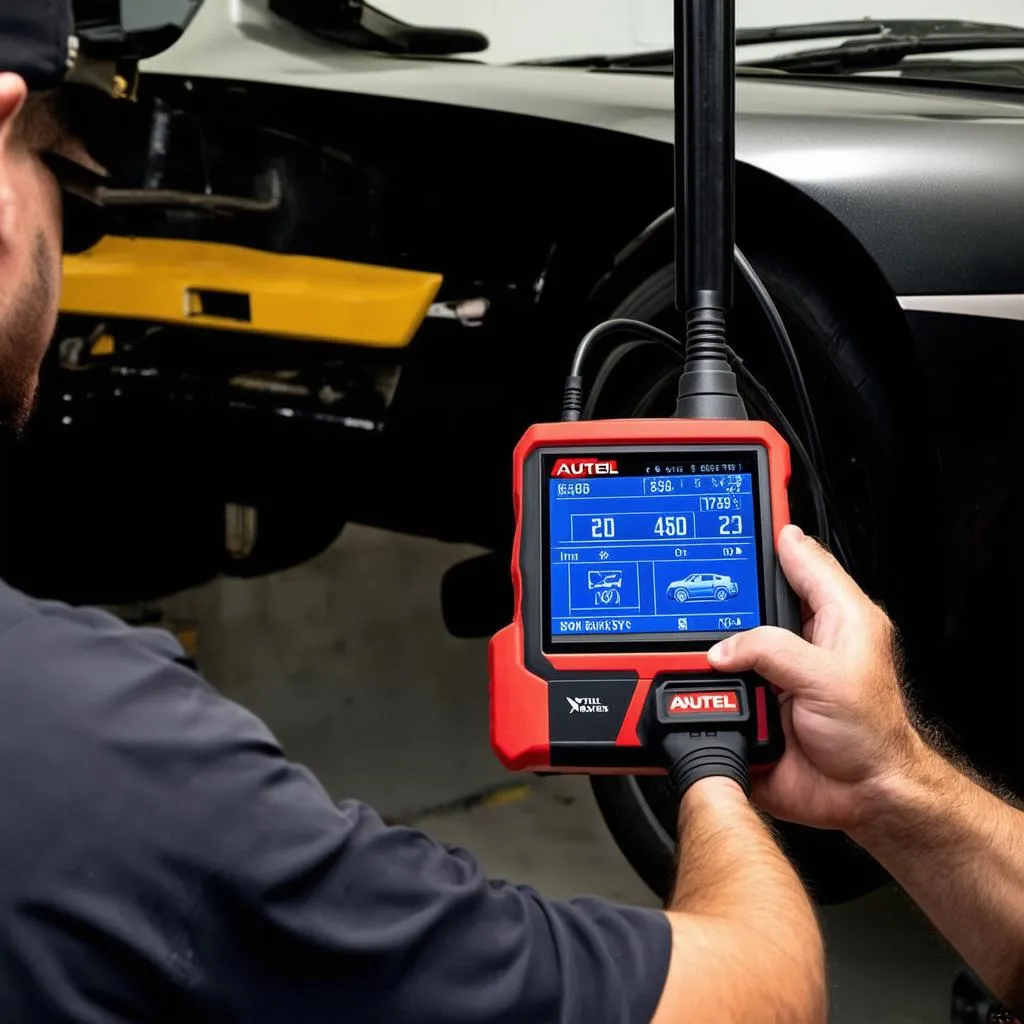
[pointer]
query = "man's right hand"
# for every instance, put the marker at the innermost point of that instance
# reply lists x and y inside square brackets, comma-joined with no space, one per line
[854,761]
[848,733]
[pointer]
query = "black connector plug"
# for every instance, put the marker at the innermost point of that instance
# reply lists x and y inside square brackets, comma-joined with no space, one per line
[707,387]
[702,728]
[693,756]
[572,399]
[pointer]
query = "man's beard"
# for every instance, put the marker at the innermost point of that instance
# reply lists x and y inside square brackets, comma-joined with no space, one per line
[19,367]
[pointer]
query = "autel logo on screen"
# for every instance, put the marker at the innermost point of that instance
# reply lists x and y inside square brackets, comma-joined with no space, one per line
[585,467]
[724,702]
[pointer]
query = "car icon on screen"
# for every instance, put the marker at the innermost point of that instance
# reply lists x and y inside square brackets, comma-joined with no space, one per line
[700,586]
[598,579]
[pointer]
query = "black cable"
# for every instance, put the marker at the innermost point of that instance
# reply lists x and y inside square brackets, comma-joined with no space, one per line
[811,455]
[615,326]
[828,535]
[774,317]
[572,403]
[816,485]
[606,370]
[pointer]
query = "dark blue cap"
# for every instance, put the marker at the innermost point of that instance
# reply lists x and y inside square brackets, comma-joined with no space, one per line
[37,41]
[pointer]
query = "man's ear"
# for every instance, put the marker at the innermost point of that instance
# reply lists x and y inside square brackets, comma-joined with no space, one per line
[13,93]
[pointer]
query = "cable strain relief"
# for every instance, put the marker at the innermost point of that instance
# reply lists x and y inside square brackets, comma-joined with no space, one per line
[572,400]
[707,386]
[706,333]
[704,756]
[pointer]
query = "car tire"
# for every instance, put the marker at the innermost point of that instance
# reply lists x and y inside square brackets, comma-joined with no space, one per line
[721,594]
[640,811]
[680,595]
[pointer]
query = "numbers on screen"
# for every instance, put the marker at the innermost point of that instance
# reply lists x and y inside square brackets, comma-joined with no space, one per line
[602,528]
[573,489]
[671,526]
[730,526]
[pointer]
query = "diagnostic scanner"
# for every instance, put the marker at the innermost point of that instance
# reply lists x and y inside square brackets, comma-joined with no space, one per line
[639,545]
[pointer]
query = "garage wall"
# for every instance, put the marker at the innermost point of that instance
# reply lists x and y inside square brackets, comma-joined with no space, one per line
[520,29]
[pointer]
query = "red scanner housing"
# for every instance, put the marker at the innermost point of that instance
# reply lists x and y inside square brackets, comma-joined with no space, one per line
[531,683]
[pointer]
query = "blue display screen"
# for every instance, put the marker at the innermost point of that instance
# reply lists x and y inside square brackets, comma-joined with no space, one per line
[644,549]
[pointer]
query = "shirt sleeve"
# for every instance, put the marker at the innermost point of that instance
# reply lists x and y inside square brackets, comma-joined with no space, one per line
[312,911]
[288,907]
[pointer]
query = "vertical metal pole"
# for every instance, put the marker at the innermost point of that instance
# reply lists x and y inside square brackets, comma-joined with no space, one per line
[705,85]
[705,82]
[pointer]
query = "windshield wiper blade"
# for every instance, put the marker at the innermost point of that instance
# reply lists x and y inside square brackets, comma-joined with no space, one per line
[887,52]
[812,30]
[744,37]
[918,27]
[897,34]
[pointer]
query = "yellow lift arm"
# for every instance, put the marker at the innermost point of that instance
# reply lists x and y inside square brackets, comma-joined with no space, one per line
[231,288]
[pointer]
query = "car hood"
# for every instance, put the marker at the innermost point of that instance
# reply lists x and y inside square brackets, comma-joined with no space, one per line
[932,166]
[242,40]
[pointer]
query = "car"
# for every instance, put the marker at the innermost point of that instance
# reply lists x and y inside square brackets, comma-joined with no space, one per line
[703,586]
[351,261]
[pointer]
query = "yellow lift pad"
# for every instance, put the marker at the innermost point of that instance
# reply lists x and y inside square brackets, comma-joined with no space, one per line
[231,288]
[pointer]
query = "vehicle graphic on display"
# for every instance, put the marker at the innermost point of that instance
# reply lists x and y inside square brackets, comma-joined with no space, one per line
[598,579]
[703,586]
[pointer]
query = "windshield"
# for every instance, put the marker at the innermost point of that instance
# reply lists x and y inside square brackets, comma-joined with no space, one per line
[144,15]
[534,29]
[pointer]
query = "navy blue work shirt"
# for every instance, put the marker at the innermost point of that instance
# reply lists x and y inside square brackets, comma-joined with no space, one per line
[162,861]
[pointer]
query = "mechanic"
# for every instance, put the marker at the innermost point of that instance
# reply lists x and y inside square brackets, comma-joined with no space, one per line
[161,860]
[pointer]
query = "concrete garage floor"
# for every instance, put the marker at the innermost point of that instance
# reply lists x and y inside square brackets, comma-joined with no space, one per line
[347,660]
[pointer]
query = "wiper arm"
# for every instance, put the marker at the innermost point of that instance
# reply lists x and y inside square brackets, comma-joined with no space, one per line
[885,53]
[363,27]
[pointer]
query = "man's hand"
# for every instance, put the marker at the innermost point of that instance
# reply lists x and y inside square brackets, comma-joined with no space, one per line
[855,761]
[847,729]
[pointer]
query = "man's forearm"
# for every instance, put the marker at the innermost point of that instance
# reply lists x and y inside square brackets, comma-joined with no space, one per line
[747,944]
[959,852]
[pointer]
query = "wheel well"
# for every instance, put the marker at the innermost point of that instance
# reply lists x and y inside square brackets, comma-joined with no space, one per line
[822,271]
[600,256]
